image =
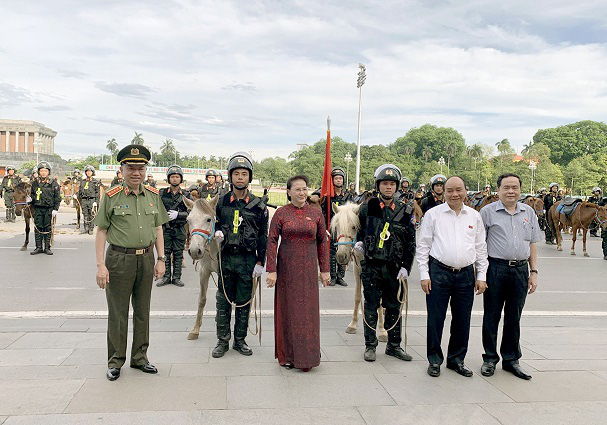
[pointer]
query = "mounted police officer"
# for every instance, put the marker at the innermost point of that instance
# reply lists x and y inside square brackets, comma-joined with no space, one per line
[595,199]
[76,176]
[89,194]
[46,199]
[550,199]
[337,271]
[542,193]
[118,179]
[436,195]
[7,189]
[242,220]
[150,181]
[406,193]
[174,230]
[387,239]
[210,188]
[352,190]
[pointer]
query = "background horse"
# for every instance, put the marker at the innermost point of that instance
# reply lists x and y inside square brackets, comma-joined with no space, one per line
[486,200]
[22,191]
[68,190]
[204,249]
[584,214]
[538,206]
[344,226]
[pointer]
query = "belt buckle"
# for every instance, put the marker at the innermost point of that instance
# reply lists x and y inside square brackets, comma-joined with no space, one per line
[512,263]
[139,251]
[455,270]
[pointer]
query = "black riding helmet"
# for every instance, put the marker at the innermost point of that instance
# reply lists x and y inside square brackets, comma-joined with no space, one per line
[174,169]
[387,172]
[44,164]
[240,160]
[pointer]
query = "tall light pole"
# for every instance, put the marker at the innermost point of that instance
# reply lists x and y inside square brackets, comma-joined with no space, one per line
[361,80]
[532,167]
[441,162]
[348,159]
[37,143]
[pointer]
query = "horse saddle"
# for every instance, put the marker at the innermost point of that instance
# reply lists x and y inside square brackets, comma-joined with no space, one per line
[476,201]
[568,206]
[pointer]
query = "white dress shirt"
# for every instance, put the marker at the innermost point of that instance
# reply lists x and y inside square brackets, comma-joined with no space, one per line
[455,240]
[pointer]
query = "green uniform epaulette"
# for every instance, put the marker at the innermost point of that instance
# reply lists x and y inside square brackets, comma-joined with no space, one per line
[152,189]
[114,190]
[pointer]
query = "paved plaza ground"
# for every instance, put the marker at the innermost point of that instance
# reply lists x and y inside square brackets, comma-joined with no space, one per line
[52,354]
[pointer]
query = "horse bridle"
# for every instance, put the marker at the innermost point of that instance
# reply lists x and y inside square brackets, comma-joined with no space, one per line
[351,242]
[206,234]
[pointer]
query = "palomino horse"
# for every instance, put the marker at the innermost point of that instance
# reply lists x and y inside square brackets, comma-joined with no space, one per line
[583,215]
[68,190]
[538,206]
[486,200]
[22,191]
[204,249]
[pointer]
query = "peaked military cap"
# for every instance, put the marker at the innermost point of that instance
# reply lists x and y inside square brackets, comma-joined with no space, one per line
[134,154]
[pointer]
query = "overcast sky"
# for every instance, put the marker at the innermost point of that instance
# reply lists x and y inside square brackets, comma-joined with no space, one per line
[222,76]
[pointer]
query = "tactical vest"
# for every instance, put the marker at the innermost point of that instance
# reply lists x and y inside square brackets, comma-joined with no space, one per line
[388,235]
[170,203]
[89,188]
[241,226]
[45,194]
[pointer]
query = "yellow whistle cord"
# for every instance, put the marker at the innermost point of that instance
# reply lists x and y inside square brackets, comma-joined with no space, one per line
[384,235]
[236,221]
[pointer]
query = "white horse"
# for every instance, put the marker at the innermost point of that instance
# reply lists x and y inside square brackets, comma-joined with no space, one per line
[204,249]
[344,226]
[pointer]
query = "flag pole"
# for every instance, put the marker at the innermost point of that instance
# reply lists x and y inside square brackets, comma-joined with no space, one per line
[329,188]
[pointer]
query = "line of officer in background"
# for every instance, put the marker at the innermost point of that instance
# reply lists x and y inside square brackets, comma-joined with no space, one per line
[387,240]
[174,230]
[118,179]
[436,194]
[7,190]
[242,219]
[130,219]
[210,188]
[337,271]
[223,187]
[46,199]
[405,193]
[549,200]
[89,194]
[150,181]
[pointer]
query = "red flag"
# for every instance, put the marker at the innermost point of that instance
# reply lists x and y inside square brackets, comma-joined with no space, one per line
[327,188]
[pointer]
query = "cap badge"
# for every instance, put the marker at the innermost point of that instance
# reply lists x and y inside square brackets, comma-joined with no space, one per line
[389,172]
[134,151]
[240,160]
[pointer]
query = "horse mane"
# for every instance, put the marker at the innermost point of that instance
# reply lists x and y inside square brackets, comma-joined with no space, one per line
[23,186]
[346,216]
[203,204]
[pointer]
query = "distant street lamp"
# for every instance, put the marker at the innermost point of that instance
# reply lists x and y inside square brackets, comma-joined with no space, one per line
[37,144]
[532,167]
[348,159]
[441,162]
[362,76]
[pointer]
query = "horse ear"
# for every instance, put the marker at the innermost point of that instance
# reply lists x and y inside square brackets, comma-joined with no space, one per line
[334,207]
[213,202]
[188,203]
[356,208]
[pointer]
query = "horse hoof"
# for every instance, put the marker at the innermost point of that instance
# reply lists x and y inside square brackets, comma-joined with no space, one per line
[382,337]
[586,254]
[23,248]
[572,253]
[559,248]
[192,336]
[351,330]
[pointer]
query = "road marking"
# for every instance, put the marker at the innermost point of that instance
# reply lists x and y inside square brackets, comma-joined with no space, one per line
[265,313]
[18,247]
[571,257]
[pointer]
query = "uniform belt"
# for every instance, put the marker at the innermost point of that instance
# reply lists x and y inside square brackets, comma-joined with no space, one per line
[510,263]
[136,251]
[446,267]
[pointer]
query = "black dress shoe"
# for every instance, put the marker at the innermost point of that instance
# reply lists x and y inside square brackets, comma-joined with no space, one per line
[178,282]
[242,348]
[146,368]
[220,349]
[341,282]
[398,352]
[434,370]
[461,369]
[516,370]
[488,369]
[112,374]
[369,354]
[333,281]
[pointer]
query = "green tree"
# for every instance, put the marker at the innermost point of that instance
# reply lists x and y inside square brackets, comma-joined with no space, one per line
[138,139]
[112,146]
[271,171]
[431,139]
[574,140]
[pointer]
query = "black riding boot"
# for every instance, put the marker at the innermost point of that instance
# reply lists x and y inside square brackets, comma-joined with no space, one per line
[393,347]
[47,248]
[222,319]
[332,266]
[38,238]
[166,279]
[341,273]
[241,326]
[370,334]
[177,263]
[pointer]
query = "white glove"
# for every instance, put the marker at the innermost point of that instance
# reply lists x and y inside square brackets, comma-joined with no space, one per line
[402,273]
[94,204]
[219,236]
[74,196]
[28,199]
[54,213]
[360,247]
[173,214]
[257,271]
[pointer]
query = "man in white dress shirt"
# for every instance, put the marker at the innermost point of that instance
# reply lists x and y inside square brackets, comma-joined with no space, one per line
[450,246]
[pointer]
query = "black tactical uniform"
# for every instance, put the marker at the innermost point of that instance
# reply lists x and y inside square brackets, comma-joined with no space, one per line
[244,224]
[405,194]
[89,194]
[174,230]
[46,197]
[151,183]
[549,200]
[595,199]
[602,203]
[337,271]
[7,190]
[117,180]
[389,243]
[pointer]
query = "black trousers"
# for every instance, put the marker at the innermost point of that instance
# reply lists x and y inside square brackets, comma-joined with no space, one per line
[604,244]
[336,270]
[507,291]
[457,289]
[174,244]
[380,285]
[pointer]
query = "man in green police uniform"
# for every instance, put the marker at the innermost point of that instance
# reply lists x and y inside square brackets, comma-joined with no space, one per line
[130,219]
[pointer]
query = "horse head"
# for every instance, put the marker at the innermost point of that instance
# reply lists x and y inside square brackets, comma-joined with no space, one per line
[314,201]
[601,216]
[344,226]
[22,191]
[537,204]
[201,221]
